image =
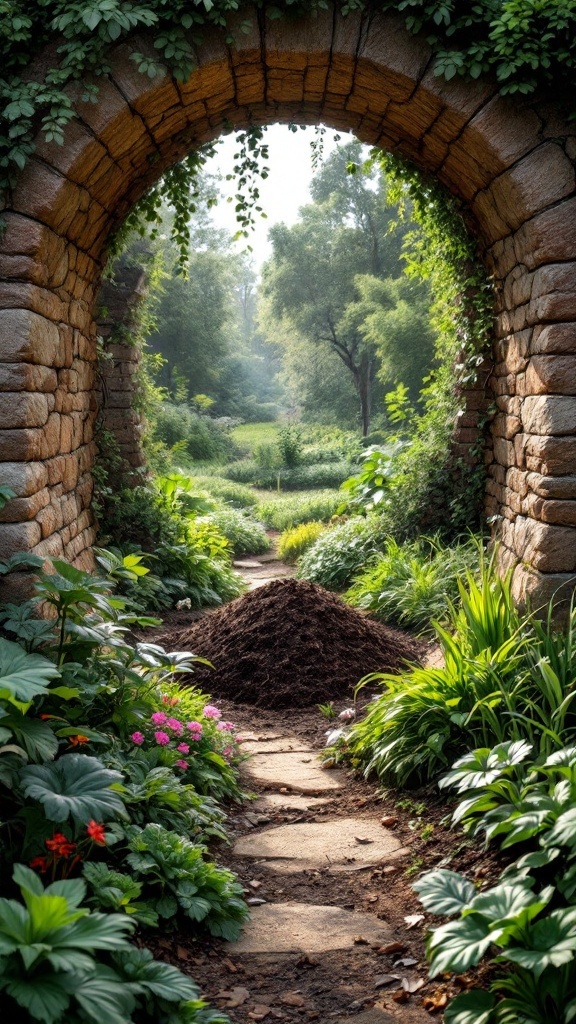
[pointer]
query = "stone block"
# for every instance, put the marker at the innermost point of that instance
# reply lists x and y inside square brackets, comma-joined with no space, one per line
[535,590]
[554,338]
[563,513]
[23,409]
[545,546]
[549,237]
[26,377]
[552,486]
[24,478]
[28,337]
[22,510]
[545,414]
[555,374]
[556,456]
[543,177]
[15,537]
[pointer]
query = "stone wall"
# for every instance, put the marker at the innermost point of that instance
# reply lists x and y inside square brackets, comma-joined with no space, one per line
[117,311]
[509,160]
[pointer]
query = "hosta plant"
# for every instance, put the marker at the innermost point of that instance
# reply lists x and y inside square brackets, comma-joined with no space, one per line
[177,878]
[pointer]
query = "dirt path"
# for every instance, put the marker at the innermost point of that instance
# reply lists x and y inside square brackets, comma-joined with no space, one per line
[257,570]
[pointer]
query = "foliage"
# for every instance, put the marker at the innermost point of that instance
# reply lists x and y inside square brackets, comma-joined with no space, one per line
[368,488]
[340,553]
[328,474]
[226,491]
[282,513]
[497,685]
[524,47]
[244,534]
[190,433]
[176,877]
[296,540]
[75,786]
[414,583]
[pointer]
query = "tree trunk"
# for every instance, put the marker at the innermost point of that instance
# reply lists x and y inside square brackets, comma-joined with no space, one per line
[363,381]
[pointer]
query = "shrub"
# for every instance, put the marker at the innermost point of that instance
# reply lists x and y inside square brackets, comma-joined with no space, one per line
[198,435]
[330,474]
[284,512]
[342,552]
[412,583]
[295,541]
[233,494]
[504,679]
[245,535]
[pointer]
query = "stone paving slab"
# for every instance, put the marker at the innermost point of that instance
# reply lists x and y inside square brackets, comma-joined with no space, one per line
[297,771]
[282,745]
[290,802]
[305,928]
[345,844]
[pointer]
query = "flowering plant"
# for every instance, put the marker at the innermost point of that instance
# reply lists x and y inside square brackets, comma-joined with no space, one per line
[63,855]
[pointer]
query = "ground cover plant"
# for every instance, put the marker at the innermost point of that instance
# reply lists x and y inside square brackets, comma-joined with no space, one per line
[280,512]
[505,677]
[100,753]
[414,583]
[295,541]
[245,534]
[340,553]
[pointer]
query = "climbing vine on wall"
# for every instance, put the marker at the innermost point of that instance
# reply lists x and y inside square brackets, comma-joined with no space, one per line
[523,44]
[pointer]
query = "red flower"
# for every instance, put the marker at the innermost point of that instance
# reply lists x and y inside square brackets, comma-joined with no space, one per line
[39,864]
[76,741]
[96,833]
[60,845]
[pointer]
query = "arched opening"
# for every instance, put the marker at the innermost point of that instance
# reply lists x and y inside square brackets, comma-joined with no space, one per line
[510,164]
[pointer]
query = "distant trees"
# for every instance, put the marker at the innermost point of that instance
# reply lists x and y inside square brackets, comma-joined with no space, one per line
[334,286]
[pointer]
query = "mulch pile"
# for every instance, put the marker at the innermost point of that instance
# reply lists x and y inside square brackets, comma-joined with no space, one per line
[291,643]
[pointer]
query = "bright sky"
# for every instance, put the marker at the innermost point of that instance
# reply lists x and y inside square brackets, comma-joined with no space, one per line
[282,193]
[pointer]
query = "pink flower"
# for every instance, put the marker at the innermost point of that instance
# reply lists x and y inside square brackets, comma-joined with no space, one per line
[158,718]
[195,736]
[183,748]
[239,739]
[182,764]
[162,738]
[174,725]
[226,726]
[138,738]
[194,727]
[211,712]
[227,752]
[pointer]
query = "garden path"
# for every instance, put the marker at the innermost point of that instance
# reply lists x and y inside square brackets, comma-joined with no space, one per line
[257,570]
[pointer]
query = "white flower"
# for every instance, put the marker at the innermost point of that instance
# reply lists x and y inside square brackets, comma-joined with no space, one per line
[347,715]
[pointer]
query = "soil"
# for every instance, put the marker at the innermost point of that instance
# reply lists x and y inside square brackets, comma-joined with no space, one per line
[291,644]
[337,985]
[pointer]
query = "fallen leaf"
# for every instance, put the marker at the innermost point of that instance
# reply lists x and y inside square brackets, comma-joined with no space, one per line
[401,996]
[292,999]
[390,869]
[372,899]
[412,984]
[407,961]
[182,953]
[393,947]
[364,842]
[389,821]
[385,979]
[413,919]
[437,1001]
[235,997]
[259,1012]
[359,940]
[230,966]
[256,901]
[255,884]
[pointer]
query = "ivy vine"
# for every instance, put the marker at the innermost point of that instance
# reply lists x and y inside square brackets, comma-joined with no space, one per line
[525,45]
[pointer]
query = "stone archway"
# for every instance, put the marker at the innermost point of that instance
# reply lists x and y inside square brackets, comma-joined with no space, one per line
[510,162]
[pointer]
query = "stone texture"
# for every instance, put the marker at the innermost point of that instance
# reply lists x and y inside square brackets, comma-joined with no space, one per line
[277,746]
[291,802]
[313,845]
[305,928]
[543,414]
[295,771]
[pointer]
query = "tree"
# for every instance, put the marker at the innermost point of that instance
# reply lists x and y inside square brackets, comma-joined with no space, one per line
[312,279]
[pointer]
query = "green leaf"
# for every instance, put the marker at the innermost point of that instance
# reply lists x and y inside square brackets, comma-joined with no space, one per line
[458,945]
[473,1007]
[444,892]
[23,676]
[75,786]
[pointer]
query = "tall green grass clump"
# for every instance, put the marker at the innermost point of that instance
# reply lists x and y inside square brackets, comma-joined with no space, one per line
[505,678]
[245,535]
[340,553]
[291,510]
[191,433]
[235,495]
[296,541]
[411,584]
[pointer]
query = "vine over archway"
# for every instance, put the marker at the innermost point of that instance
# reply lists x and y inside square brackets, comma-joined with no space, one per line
[510,162]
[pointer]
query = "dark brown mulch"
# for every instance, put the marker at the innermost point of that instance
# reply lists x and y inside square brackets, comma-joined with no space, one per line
[292,644]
